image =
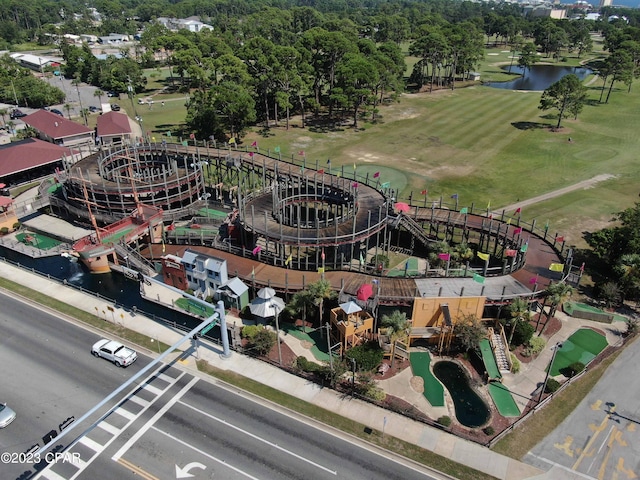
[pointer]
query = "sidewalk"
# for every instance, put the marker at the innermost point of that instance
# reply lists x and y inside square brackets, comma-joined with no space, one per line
[429,438]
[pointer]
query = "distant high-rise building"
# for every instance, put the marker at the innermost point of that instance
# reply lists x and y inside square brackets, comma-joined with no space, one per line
[605,3]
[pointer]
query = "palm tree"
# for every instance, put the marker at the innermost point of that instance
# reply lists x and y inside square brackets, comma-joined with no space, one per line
[85,112]
[396,324]
[67,107]
[557,294]
[3,113]
[321,291]
[98,93]
[519,310]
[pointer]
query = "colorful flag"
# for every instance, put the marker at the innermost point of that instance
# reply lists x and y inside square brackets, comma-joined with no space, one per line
[546,225]
[322,255]
[163,247]
[556,267]
[444,256]
[301,152]
[354,166]
[256,250]
[455,195]
[423,192]
[354,184]
[533,280]
[385,185]
[254,144]
[277,149]
[509,221]
[376,175]
[171,227]
[232,140]
[518,210]
[559,239]
[361,259]
[153,138]
[185,143]
[490,217]
[510,253]
[489,205]
[168,133]
[582,267]
[478,278]
[320,269]
[251,154]
[464,210]
[288,261]
[483,256]
[253,271]
[524,247]
[321,171]
[192,136]
[517,231]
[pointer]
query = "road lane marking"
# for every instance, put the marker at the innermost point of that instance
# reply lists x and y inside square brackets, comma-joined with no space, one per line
[51,475]
[137,470]
[596,405]
[201,452]
[627,471]
[596,429]
[107,427]
[165,378]
[566,446]
[124,413]
[154,419]
[274,445]
[152,389]
[606,440]
[93,445]
[140,401]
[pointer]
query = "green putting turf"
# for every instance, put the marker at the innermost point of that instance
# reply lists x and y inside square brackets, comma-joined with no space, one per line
[570,307]
[488,359]
[213,214]
[433,389]
[192,306]
[314,337]
[504,401]
[37,240]
[582,346]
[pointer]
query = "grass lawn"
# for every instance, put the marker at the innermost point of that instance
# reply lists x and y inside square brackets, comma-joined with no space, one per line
[582,346]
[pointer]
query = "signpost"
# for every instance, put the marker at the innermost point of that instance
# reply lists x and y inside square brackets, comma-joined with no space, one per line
[207,328]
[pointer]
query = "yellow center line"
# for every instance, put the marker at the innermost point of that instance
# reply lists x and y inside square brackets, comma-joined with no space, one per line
[137,470]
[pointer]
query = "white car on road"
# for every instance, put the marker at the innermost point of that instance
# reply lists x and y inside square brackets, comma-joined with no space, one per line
[115,352]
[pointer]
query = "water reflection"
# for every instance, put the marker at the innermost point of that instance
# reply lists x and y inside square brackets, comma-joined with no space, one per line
[539,77]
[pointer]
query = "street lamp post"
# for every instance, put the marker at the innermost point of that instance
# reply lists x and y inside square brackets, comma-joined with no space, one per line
[555,349]
[353,375]
[278,335]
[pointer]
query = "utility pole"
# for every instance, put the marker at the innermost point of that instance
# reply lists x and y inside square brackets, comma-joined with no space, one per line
[555,349]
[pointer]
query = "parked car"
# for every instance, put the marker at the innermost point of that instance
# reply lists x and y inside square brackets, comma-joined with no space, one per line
[15,113]
[115,107]
[7,415]
[94,109]
[115,352]
[57,112]
[113,94]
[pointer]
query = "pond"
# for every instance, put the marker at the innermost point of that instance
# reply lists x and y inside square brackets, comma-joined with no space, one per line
[471,409]
[539,77]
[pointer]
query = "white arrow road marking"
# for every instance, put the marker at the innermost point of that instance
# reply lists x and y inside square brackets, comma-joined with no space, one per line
[260,439]
[202,452]
[184,471]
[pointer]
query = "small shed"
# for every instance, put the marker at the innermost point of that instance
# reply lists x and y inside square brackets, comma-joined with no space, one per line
[474,76]
[234,293]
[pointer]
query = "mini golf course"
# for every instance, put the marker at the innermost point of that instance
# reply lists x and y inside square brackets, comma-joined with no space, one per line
[570,307]
[433,389]
[505,403]
[583,346]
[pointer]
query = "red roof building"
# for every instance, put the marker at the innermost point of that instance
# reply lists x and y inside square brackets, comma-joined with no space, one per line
[114,128]
[56,129]
[30,159]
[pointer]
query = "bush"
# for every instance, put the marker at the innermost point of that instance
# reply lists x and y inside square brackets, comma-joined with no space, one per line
[552,385]
[534,346]
[367,356]
[16,225]
[263,341]
[4,230]
[522,333]
[445,421]
[515,364]
[488,430]
[250,331]
[306,366]
[573,369]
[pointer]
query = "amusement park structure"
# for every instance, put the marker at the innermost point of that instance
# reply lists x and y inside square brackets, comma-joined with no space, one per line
[287,213]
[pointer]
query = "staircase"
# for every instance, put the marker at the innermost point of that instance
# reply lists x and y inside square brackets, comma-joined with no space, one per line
[134,259]
[500,353]
[412,227]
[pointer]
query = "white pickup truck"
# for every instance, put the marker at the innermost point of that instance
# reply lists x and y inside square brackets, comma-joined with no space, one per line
[115,352]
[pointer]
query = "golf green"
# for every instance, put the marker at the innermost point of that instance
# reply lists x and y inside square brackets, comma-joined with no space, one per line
[504,401]
[582,346]
[433,389]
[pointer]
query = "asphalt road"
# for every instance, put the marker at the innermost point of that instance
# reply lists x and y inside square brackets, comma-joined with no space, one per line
[164,423]
[48,375]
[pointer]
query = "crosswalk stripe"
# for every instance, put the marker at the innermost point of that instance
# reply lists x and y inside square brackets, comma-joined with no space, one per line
[92,444]
[125,413]
[166,378]
[51,475]
[107,427]
[140,401]
[152,389]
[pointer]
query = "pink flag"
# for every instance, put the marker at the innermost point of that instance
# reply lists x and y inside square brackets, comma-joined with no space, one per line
[533,280]
[257,250]
[354,184]
[251,154]
[444,256]
[192,136]
[322,255]
[301,152]
[376,175]
[321,171]
[582,267]
[517,231]
[510,253]
[559,239]
[254,144]
[518,210]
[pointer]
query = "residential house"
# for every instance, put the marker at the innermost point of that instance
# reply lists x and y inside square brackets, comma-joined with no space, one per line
[193,24]
[113,39]
[58,130]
